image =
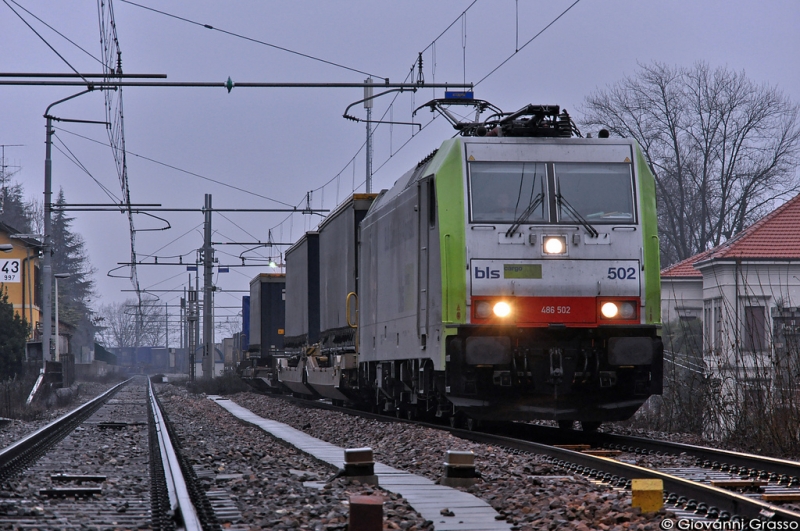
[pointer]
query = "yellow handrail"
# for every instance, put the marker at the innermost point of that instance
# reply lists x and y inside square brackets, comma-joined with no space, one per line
[354,295]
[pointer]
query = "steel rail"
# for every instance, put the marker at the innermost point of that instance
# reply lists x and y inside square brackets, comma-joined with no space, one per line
[735,504]
[740,459]
[632,443]
[179,497]
[17,455]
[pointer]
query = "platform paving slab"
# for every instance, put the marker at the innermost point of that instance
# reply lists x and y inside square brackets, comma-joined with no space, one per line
[425,496]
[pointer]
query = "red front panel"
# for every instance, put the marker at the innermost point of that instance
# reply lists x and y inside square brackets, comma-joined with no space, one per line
[547,310]
[544,311]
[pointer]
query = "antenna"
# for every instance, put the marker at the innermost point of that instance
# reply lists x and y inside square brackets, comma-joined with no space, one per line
[4,176]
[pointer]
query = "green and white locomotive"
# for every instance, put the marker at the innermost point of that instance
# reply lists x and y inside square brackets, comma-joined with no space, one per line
[512,274]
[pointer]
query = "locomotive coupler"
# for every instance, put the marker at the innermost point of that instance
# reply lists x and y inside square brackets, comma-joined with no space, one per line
[556,367]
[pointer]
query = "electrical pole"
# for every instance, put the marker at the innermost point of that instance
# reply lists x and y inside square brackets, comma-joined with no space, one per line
[191,330]
[47,246]
[208,298]
[183,319]
[166,327]
[47,249]
[368,107]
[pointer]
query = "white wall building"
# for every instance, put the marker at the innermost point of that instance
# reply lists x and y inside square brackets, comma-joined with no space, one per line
[747,294]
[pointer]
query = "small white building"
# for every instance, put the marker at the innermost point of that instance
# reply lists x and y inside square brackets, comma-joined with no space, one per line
[747,294]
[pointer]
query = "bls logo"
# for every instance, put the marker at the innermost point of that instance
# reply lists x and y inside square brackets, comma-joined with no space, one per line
[487,273]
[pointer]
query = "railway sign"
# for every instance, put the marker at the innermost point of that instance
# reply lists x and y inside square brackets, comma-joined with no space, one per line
[10,270]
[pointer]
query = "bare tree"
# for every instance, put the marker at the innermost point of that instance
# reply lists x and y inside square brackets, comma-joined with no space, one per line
[128,324]
[230,326]
[723,149]
[35,208]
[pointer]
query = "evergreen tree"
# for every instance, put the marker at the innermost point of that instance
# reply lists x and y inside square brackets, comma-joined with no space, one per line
[14,210]
[13,335]
[76,291]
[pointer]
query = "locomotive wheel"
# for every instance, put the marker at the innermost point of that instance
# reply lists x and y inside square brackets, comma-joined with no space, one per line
[566,424]
[590,427]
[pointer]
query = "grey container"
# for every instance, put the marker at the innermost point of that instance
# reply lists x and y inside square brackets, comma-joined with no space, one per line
[338,251]
[267,314]
[302,292]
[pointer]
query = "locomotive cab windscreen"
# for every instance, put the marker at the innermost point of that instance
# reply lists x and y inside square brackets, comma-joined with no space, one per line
[509,192]
[597,192]
[502,191]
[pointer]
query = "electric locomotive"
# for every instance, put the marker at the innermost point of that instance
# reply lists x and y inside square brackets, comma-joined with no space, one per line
[511,275]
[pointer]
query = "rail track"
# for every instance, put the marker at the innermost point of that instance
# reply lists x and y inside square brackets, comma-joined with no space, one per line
[689,491]
[109,463]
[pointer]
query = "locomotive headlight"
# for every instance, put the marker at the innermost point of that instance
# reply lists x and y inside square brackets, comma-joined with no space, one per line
[609,310]
[627,310]
[483,309]
[618,310]
[555,245]
[502,309]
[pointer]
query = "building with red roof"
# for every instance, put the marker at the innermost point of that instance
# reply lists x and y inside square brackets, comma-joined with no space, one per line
[746,290]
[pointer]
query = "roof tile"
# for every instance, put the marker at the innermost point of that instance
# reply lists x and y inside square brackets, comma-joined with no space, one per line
[776,235]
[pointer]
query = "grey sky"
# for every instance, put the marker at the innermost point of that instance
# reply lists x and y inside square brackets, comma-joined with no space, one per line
[281,143]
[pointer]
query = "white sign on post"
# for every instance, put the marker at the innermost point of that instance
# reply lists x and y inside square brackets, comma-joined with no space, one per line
[10,270]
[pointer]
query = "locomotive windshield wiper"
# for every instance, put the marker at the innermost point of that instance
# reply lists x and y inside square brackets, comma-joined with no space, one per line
[537,200]
[562,201]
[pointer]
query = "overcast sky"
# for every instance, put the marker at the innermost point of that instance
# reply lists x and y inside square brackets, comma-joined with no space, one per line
[282,143]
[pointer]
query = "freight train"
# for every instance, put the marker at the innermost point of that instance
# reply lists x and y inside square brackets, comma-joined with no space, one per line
[513,274]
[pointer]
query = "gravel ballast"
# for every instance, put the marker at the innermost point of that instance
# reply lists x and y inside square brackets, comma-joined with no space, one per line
[273,485]
[530,493]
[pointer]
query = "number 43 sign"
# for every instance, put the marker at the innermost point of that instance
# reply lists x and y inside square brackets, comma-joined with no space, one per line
[9,271]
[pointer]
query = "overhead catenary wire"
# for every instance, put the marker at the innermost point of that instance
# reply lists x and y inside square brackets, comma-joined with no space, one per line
[45,41]
[74,159]
[383,116]
[461,17]
[251,39]
[495,69]
[187,172]
[51,28]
